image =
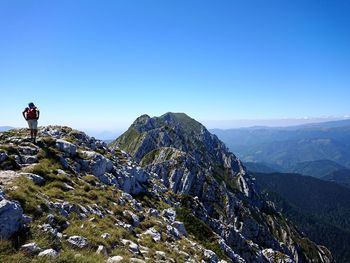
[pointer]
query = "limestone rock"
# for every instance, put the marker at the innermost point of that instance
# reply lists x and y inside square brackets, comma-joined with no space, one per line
[115,259]
[102,250]
[3,156]
[136,260]
[133,247]
[170,214]
[37,179]
[10,218]
[153,233]
[68,148]
[135,218]
[154,212]
[78,241]
[173,232]
[31,248]
[50,253]
[180,227]
[98,165]
[28,150]
[28,159]
[210,256]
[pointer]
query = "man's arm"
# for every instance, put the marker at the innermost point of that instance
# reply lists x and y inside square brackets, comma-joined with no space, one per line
[37,114]
[24,114]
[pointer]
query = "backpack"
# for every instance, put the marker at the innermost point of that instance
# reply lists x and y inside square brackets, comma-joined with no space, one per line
[32,113]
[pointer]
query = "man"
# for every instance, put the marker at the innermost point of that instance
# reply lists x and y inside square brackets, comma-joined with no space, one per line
[31,115]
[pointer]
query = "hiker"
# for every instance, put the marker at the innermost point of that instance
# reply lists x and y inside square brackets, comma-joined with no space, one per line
[31,114]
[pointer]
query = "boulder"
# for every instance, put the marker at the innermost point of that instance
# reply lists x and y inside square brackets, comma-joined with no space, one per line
[102,250]
[68,148]
[153,212]
[210,256]
[97,163]
[127,196]
[133,247]
[115,259]
[28,159]
[11,214]
[180,227]
[31,248]
[135,218]
[153,233]
[27,150]
[173,232]
[37,179]
[78,241]
[170,214]
[50,253]
[3,156]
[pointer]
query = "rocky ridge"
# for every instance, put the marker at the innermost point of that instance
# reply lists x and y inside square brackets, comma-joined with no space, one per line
[193,162]
[75,199]
[70,198]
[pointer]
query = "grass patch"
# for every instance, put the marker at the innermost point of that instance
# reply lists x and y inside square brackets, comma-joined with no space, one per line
[46,168]
[200,231]
[223,174]
[147,200]
[28,194]
[129,141]
[9,149]
[92,230]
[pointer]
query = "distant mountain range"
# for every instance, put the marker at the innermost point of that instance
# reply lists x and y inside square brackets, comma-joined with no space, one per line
[320,209]
[321,150]
[5,128]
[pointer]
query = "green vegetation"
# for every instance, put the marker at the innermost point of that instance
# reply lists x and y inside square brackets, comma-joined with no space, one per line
[318,208]
[149,201]
[188,124]
[130,140]
[222,174]
[29,195]
[162,154]
[200,231]
[47,168]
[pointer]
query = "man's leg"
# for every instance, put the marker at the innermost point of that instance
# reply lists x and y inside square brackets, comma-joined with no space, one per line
[35,132]
[35,129]
[30,128]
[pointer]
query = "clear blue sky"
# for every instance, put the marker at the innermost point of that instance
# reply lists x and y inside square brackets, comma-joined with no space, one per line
[100,64]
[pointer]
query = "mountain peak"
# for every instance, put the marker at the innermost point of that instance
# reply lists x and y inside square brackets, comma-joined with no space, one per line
[192,162]
[174,130]
[171,120]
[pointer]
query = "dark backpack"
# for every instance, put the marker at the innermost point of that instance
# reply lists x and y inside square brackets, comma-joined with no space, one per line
[32,113]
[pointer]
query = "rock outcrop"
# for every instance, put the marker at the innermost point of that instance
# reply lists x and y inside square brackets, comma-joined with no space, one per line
[11,216]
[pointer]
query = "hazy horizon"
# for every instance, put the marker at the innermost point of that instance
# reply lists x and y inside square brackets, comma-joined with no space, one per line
[111,133]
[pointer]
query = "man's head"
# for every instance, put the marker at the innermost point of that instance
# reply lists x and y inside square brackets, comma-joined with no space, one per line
[31,105]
